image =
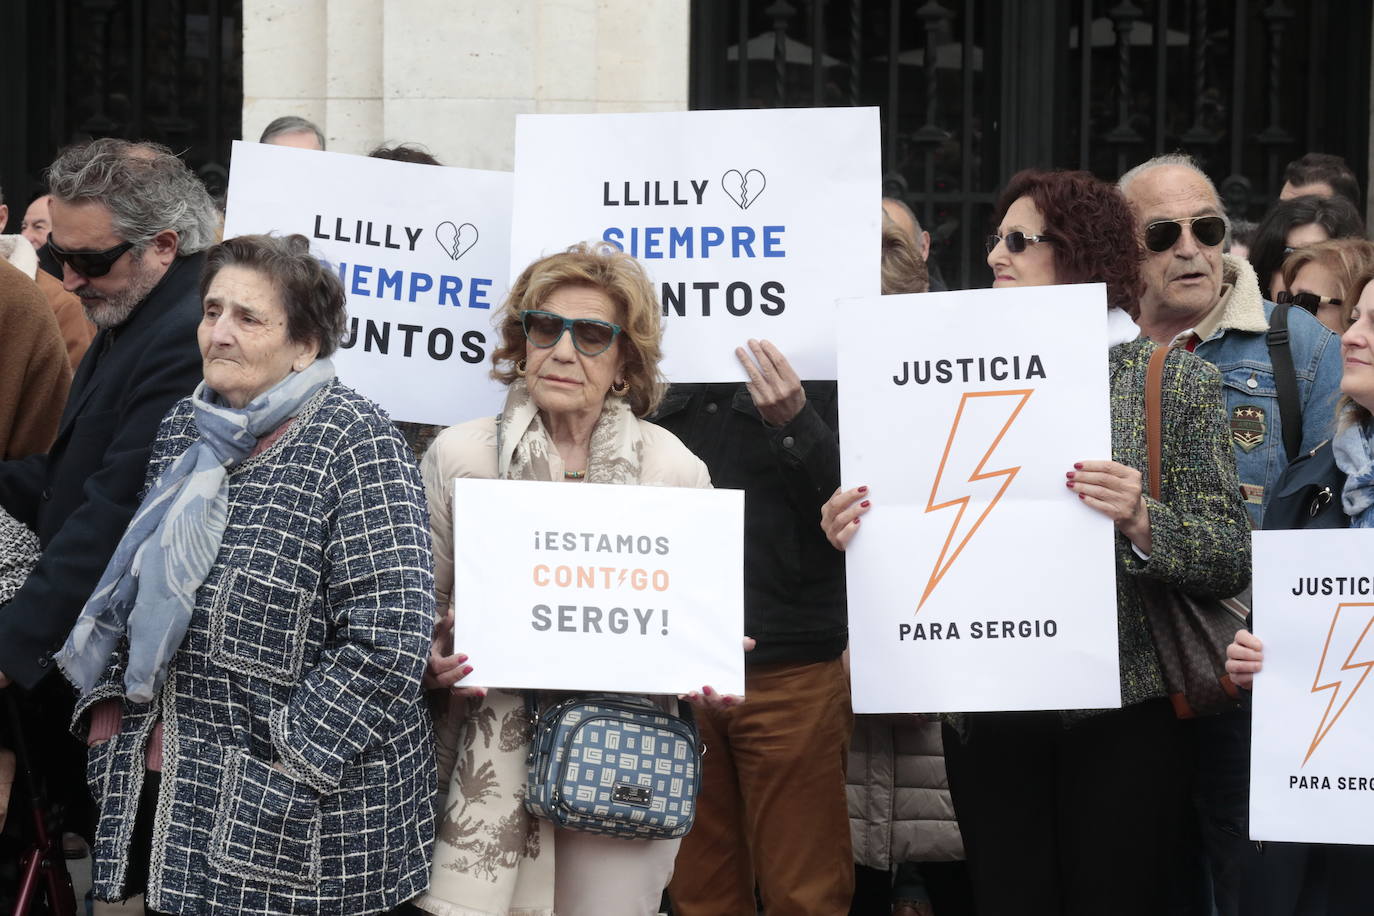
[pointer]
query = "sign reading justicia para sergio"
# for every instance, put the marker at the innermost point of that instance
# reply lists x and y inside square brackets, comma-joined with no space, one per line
[423,252]
[977,581]
[750,223]
[599,587]
[1310,774]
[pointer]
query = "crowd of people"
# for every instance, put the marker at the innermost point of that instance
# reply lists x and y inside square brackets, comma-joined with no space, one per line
[227,580]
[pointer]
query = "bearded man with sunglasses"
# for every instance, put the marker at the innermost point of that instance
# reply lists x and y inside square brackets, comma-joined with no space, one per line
[1210,302]
[128,223]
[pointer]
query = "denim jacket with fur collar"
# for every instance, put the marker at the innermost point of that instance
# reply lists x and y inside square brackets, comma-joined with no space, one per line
[1239,349]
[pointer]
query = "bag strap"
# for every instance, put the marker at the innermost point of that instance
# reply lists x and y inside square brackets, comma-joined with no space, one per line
[1154,396]
[1285,380]
[684,709]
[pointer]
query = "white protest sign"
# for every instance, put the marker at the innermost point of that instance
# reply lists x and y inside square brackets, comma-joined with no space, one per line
[599,587]
[1311,778]
[977,581]
[423,253]
[750,223]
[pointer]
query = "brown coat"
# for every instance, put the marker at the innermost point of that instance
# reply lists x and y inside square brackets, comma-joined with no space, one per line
[34,371]
[77,330]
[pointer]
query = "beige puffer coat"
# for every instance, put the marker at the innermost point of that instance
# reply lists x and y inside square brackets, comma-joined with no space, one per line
[899,805]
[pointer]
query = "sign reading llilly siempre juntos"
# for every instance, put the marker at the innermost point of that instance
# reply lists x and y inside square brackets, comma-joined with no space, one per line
[599,587]
[977,581]
[423,252]
[750,223]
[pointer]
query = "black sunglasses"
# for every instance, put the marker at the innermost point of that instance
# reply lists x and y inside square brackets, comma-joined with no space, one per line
[1016,241]
[1309,301]
[590,336]
[1162,234]
[89,263]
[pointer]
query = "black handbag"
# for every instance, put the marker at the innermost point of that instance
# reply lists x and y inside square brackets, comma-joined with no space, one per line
[1190,633]
[1308,494]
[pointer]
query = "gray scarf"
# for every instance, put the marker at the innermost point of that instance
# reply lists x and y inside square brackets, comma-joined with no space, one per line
[149,587]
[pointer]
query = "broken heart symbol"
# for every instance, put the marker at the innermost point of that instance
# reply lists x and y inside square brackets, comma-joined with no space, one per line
[455,240]
[743,189]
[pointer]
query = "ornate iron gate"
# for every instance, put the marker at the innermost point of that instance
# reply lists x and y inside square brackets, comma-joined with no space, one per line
[163,70]
[972,90]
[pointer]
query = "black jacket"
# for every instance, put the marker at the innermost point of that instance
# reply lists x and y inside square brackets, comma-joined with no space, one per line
[794,594]
[80,495]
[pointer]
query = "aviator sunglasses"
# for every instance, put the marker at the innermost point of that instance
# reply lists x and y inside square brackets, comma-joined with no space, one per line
[89,263]
[590,336]
[1309,301]
[1016,241]
[1162,234]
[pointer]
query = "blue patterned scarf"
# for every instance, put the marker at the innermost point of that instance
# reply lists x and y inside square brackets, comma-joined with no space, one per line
[149,587]
[1351,448]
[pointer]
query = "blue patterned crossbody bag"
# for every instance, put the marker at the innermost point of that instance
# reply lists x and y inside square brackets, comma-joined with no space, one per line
[614,764]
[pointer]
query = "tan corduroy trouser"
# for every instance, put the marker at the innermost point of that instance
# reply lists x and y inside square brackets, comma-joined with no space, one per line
[772,806]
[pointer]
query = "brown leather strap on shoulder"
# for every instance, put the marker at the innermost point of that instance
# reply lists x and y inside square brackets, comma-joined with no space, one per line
[1154,385]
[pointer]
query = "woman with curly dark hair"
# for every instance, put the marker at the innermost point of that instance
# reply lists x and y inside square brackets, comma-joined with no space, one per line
[1081,811]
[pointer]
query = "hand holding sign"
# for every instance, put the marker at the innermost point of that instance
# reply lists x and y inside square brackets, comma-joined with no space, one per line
[1114,490]
[774,386]
[445,667]
[840,515]
[710,698]
[1244,658]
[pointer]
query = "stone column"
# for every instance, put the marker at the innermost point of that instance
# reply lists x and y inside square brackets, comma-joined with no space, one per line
[453,74]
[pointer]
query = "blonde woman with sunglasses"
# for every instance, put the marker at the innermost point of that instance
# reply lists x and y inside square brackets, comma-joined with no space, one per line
[579,351]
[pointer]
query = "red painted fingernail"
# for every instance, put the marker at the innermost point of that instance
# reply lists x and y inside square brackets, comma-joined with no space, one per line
[857,520]
[1078,466]
[462,658]
[1069,475]
[707,691]
[864,504]
[467,669]
[1069,484]
[863,489]
[1081,496]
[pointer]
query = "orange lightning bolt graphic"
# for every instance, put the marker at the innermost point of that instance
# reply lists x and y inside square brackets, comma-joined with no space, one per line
[1014,401]
[1337,681]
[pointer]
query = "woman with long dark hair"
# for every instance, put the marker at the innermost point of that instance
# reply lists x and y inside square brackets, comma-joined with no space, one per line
[1294,224]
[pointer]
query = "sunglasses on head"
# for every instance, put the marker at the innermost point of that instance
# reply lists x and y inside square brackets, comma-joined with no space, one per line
[590,336]
[1016,241]
[1309,301]
[89,263]
[1162,234]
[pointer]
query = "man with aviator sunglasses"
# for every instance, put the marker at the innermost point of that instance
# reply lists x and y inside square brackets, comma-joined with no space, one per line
[1200,298]
[1210,302]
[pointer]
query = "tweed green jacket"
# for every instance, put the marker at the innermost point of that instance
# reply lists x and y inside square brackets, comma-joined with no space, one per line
[1199,529]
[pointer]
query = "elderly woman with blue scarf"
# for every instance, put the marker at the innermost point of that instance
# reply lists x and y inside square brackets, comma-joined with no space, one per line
[259,636]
